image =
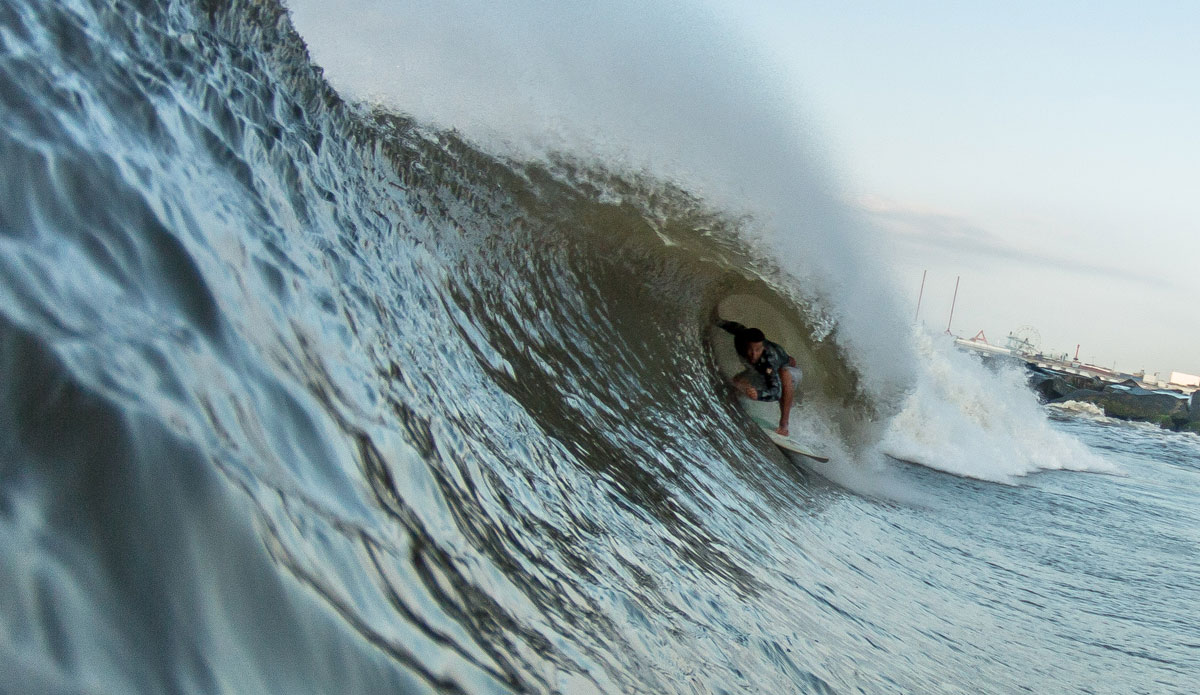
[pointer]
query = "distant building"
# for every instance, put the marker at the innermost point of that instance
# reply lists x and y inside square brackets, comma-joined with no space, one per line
[1181,379]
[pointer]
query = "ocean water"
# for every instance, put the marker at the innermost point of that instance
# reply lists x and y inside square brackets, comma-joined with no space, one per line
[303,392]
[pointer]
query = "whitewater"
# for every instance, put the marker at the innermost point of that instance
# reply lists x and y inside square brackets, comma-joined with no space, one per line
[373,351]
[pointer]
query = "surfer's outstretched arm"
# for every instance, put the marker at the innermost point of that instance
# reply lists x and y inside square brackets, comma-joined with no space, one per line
[732,327]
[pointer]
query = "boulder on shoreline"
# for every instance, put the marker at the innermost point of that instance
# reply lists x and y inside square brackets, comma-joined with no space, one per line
[1051,385]
[1052,388]
[1193,423]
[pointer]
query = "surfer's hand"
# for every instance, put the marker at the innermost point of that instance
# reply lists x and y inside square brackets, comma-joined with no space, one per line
[752,393]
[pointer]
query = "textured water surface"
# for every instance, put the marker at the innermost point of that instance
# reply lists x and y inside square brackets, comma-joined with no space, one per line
[300,397]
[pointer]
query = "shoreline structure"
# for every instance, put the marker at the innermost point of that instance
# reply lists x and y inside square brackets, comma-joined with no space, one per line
[1174,405]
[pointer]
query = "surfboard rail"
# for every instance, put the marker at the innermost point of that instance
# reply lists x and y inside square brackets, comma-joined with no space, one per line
[787,443]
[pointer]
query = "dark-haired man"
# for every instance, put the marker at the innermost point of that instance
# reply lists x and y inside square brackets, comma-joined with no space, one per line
[770,374]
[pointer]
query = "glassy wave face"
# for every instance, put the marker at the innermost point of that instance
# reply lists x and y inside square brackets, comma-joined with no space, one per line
[303,397]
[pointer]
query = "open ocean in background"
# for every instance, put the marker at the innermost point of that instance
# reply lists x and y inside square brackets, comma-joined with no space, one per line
[299,396]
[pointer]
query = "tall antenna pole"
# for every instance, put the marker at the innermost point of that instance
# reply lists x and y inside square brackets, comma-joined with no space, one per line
[953,302]
[920,295]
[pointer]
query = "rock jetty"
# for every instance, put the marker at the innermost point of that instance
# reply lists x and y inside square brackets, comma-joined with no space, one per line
[1127,400]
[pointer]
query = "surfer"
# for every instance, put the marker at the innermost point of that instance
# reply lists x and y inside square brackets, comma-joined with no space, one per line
[770,374]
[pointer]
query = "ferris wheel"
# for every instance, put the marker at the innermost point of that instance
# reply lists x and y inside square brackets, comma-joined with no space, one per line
[1025,340]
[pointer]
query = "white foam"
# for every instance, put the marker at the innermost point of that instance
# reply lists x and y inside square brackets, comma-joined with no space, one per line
[1081,408]
[975,421]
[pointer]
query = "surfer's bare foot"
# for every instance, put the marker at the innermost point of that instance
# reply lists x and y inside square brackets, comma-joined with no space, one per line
[782,431]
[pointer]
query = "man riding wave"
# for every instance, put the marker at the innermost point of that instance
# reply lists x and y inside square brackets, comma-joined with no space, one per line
[770,374]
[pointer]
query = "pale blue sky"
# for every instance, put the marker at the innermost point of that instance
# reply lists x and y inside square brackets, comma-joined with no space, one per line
[1039,149]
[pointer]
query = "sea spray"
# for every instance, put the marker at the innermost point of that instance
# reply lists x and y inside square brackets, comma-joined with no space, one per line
[639,88]
[976,421]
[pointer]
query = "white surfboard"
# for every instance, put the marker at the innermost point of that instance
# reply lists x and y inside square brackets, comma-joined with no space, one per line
[787,443]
